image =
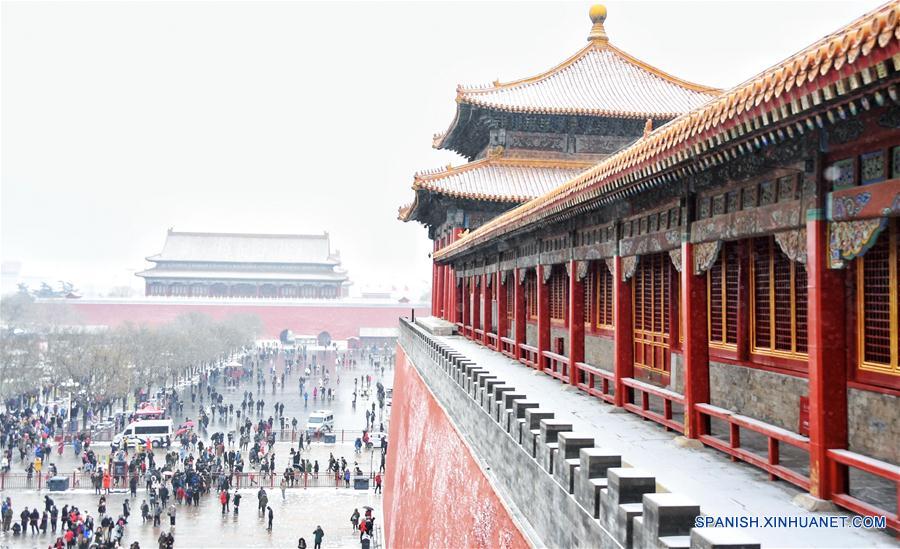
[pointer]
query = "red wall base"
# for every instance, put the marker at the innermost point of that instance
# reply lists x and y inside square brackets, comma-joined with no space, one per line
[435,494]
[340,321]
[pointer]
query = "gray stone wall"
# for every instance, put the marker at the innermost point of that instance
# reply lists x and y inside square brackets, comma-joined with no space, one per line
[530,334]
[874,429]
[600,351]
[766,396]
[873,424]
[559,332]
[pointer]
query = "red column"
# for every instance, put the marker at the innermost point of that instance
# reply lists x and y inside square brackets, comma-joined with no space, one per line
[576,321]
[453,295]
[696,341]
[448,293]
[827,362]
[502,306]
[624,336]
[466,304]
[477,290]
[439,291]
[488,308]
[543,316]
[519,311]
[433,286]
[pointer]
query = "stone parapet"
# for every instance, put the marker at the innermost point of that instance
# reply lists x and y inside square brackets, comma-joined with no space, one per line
[563,489]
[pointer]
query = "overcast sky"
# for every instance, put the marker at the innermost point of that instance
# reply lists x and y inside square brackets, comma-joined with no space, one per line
[122,119]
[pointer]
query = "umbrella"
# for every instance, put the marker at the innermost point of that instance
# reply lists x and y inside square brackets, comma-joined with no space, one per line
[368,508]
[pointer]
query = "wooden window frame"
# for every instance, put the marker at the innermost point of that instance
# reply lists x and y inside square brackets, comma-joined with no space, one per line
[792,359]
[863,366]
[659,341]
[558,296]
[531,298]
[724,262]
[605,282]
[510,289]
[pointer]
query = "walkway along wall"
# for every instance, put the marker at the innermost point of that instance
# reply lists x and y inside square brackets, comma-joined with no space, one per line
[435,493]
[563,490]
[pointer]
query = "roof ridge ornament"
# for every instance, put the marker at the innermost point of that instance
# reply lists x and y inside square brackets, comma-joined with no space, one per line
[597,14]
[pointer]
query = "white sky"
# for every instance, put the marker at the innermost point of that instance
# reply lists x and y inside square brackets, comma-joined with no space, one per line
[119,120]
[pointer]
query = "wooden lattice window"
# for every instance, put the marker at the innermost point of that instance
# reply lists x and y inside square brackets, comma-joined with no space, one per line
[722,291]
[779,307]
[510,297]
[590,282]
[559,294]
[531,297]
[460,296]
[878,286]
[651,294]
[604,297]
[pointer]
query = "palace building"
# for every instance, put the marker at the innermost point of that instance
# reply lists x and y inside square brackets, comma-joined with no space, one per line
[225,265]
[719,262]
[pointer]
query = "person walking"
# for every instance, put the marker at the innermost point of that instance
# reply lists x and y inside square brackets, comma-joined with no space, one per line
[237,501]
[283,486]
[318,534]
[172,512]
[378,483]
[271,517]
[263,500]
[354,520]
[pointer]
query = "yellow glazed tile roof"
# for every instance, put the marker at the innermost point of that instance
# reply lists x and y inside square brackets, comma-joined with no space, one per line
[844,60]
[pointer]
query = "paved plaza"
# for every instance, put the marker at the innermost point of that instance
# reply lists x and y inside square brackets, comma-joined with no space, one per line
[296,514]
[204,526]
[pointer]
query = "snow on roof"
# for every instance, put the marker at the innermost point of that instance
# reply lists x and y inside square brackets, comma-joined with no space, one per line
[598,80]
[247,248]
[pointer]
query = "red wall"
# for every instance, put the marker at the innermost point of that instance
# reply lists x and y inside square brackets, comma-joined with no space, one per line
[435,494]
[341,321]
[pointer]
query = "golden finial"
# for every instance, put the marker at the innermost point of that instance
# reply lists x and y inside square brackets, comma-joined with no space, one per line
[598,16]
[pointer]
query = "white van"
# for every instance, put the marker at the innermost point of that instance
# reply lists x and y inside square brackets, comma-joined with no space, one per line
[320,421]
[157,431]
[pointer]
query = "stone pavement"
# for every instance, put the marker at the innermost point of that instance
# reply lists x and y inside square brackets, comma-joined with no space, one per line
[205,526]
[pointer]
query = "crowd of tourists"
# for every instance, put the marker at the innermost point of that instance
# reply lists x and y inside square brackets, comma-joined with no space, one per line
[191,468]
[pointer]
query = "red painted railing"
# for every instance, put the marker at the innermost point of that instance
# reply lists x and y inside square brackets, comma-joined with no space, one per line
[478,334]
[508,347]
[645,390]
[492,340]
[841,459]
[557,366]
[774,435]
[529,355]
[586,378]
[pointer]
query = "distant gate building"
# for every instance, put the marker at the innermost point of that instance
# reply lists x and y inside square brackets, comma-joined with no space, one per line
[227,265]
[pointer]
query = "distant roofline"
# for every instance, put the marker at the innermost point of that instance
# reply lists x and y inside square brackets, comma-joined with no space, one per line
[468,94]
[324,234]
[477,89]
